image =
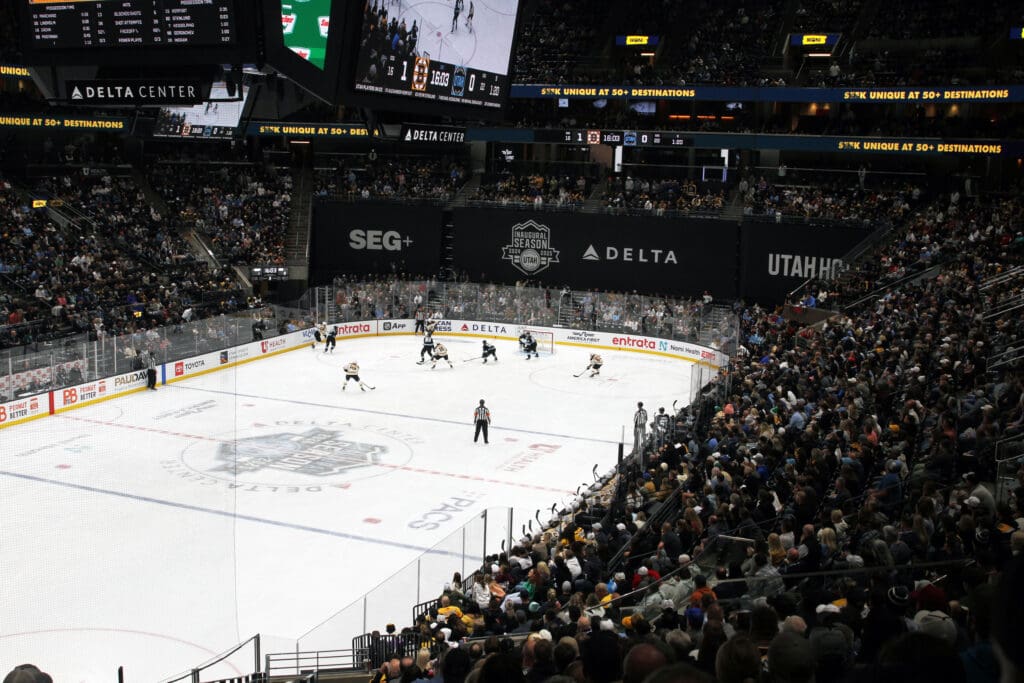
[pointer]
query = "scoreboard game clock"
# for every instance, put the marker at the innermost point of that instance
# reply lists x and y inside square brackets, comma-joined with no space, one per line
[628,138]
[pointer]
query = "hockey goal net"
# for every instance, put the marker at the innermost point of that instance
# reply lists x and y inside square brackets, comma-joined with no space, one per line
[545,340]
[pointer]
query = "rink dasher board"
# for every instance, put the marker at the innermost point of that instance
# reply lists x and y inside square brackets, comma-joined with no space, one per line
[58,401]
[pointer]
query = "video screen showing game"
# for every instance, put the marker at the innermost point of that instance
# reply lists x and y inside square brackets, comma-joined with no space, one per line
[455,51]
[209,120]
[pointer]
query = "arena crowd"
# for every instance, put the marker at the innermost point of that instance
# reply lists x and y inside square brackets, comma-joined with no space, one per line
[833,520]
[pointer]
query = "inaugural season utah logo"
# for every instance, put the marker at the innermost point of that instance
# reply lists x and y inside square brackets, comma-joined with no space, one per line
[530,251]
[290,456]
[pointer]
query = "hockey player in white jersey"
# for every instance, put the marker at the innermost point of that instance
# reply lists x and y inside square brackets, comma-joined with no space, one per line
[440,353]
[352,374]
[319,335]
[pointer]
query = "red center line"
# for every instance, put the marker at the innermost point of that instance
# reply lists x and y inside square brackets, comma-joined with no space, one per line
[404,468]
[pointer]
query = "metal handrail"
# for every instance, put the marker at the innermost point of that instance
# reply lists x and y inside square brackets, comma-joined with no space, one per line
[1000,278]
[1005,358]
[193,674]
[278,663]
[1014,305]
[873,294]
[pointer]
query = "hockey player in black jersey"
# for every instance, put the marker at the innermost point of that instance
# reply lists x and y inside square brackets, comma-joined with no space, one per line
[428,346]
[528,344]
[329,344]
[490,351]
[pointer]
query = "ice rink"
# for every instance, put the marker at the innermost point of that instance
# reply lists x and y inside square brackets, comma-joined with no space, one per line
[156,529]
[486,47]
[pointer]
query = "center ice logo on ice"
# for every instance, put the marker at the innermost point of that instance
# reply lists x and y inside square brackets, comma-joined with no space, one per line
[317,452]
[295,456]
[530,251]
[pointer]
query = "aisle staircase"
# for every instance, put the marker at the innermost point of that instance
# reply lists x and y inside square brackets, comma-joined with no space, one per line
[570,308]
[595,200]
[466,191]
[296,244]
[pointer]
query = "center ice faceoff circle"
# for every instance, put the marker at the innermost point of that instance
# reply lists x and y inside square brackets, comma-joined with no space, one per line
[292,456]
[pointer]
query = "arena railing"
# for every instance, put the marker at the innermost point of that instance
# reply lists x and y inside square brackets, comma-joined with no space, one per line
[238,656]
[87,356]
[1009,456]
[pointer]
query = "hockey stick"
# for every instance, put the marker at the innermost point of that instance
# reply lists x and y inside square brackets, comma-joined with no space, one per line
[475,358]
[582,373]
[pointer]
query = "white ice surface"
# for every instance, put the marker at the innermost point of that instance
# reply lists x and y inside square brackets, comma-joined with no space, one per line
[128,538]
[487,47]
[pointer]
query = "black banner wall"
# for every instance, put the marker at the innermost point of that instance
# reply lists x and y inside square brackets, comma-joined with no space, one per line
[776,257]
[374,237]
[588,251]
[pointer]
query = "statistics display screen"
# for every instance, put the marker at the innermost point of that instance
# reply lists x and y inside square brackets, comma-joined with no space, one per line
[306,26]
[89,24]
[209,120]
[456,51]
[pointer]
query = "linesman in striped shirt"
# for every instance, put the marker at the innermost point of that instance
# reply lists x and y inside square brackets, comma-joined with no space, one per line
[639,427]
[482,417]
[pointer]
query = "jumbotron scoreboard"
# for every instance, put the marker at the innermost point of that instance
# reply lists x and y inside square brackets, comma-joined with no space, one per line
[88,24]
[455,52]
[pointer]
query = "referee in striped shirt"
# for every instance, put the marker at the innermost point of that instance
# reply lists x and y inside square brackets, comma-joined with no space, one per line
[639,427]
[482,417]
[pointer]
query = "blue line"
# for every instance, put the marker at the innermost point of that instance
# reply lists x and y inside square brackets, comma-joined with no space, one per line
[231,515]
[387,414]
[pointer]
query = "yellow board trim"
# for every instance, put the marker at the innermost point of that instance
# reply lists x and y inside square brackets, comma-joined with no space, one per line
[23,420]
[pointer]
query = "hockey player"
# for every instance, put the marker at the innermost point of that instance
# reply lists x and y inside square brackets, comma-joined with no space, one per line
[528,344]
[428,345]
[595,364]
[319,335]
[352,373]
[329,344]
[455,16]
[440,353]
[469,16]
[490,351]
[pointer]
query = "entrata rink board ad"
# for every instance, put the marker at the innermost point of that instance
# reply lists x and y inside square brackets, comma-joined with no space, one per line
[372,237]
[587,251]
[777,257]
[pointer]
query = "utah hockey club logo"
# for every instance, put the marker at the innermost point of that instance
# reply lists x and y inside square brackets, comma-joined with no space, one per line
[459,81]
[316,452]
[530,251]
[591,254]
